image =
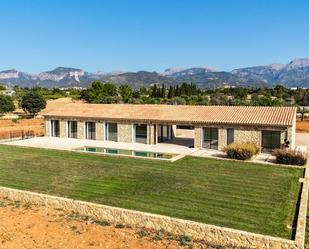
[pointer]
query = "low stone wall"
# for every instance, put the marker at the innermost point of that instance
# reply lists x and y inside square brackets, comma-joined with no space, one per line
[212,234]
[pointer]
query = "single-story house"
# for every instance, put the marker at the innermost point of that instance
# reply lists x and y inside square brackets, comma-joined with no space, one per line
[214,126]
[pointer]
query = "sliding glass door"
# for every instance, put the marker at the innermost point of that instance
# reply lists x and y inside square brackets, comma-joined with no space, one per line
[72,129]
[90,130]
[55,128]
[111,132]
[210,138]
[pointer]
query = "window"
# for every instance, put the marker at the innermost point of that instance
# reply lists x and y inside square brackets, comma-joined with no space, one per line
[90,130]
[72,129]
[210,138]
[141,133]
[270,140]
[55,128]
[111,132]
[230,136]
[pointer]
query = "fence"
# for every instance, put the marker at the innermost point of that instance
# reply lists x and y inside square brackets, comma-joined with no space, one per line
[16,135]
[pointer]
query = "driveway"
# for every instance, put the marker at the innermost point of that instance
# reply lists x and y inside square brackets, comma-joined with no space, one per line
[302,139]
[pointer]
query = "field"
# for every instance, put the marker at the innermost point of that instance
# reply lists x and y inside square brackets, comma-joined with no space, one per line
[12,126]
[246,196]
[302,126]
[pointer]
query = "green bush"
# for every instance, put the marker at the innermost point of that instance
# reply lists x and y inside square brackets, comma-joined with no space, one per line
[241,151]
[289,156]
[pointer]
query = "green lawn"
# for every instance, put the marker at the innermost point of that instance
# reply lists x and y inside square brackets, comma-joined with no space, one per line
[246,196]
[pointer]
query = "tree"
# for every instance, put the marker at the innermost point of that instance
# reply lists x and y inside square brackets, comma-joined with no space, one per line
[6,104]
[98,91]
[33,102]
[126,93]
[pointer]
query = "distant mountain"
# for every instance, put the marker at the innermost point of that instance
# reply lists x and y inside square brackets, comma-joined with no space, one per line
[293,74]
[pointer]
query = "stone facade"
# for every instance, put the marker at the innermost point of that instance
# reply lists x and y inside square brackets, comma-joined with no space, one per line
[100,131]
[63,128]
[222,137]
[125,133]
[151,139]
[47,128]
[80,129]
[247,135]
[198,137]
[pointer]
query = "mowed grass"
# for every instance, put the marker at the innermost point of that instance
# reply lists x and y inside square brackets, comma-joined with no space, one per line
[246,196]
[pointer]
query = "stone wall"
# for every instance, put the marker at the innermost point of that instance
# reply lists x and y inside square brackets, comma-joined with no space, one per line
[210,233]
[247,135]
[99,130]
[80,129]
[125,133]
[47,131]
[198,137]
[63,128]
[151,136]
[222,137]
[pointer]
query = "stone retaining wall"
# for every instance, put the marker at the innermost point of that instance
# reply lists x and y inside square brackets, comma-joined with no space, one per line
[210,233]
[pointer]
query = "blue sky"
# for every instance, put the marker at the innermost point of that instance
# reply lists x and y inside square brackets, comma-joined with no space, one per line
[94,35]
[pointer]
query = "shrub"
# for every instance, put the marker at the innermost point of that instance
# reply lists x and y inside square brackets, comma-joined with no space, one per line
[290,156]
[120,225]
[184,240]
[241,151]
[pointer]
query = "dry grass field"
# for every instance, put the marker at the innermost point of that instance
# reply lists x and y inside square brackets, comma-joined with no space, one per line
[302,126]
[12,125]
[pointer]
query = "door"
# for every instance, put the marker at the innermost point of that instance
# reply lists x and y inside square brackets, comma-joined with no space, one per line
[111,130]
[270,140]
[90,130]
[210,138]
[55,128]
[72,129]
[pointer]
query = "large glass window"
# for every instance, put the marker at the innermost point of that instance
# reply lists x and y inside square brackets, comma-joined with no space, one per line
[55,128]
[270,140]
[90,130]
[141,133]
[72,129]
[210,138]
[230,136]
[111,132]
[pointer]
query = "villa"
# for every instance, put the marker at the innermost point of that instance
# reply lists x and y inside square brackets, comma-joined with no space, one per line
[208,127]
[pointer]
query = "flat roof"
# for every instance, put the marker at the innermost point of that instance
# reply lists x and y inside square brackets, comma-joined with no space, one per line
[242,115]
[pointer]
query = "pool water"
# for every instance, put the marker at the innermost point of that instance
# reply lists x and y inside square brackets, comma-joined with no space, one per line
[124,152]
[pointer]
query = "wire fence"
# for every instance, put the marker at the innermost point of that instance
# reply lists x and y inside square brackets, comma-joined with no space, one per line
[16,135]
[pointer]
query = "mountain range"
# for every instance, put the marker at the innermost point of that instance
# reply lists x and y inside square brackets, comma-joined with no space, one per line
[293,74]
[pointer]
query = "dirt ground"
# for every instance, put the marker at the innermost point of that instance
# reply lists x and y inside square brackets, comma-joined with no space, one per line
[28,226]
[302,126]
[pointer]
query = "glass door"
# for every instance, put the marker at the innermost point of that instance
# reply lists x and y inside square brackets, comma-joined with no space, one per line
[90,130]
[111,132]
[271,140]
[55,128]
[72,129]
[210,138]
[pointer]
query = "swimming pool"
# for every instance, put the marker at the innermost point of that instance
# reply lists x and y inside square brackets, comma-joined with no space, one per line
[124,152]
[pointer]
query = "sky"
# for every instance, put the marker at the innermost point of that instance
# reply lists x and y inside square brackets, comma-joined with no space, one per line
[152,35]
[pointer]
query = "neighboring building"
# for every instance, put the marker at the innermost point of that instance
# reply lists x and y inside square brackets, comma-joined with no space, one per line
[214,126]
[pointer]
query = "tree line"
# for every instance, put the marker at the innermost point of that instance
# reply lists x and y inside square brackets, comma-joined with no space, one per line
[32,100]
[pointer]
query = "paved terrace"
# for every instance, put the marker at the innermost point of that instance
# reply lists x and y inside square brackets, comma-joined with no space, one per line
[71,144]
